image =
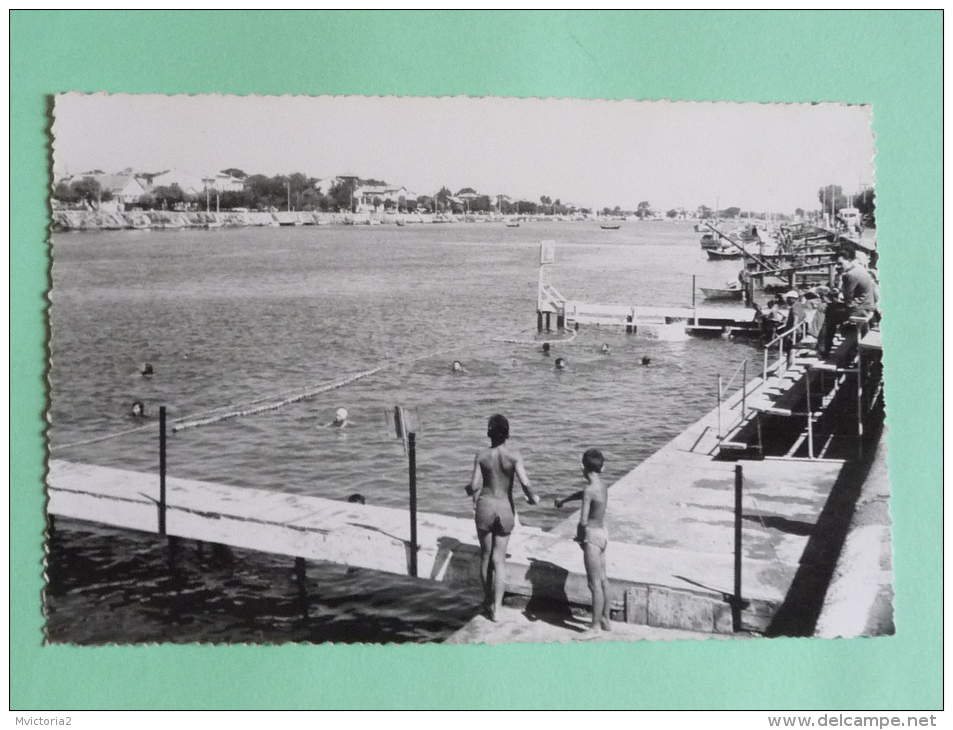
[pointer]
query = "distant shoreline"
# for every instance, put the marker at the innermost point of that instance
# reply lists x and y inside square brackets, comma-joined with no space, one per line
[96,220]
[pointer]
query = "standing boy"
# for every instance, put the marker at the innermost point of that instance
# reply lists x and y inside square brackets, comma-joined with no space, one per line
[593,536]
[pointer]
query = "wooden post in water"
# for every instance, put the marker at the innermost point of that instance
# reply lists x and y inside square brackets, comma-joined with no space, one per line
[412,459]
[161,470]
[737,603]
[539,320]
[693,295]
[548,322]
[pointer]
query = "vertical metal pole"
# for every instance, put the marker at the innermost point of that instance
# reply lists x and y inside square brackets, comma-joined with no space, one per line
[161,470]
[412,457]
[764,376]
[736,603]
[744,389]
[693,293]
[810,415]
[860,400]
[719,405]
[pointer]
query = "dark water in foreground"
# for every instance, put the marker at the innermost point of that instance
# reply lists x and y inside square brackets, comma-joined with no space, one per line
[227,317]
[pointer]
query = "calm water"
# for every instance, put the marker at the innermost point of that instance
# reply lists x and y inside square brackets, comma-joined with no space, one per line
[228,317]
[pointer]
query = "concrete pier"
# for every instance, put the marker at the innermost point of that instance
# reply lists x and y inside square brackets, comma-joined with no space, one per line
[670,558]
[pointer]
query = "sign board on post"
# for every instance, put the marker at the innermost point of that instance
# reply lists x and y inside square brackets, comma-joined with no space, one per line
[547,252]
[406,420]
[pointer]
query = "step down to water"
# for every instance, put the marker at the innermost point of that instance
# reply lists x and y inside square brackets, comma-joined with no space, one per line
[733,446]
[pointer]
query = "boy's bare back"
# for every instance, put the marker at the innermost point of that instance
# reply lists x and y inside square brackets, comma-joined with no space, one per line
[596,497]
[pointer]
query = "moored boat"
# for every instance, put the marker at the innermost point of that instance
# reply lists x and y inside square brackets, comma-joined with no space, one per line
[728,253]
[732,293]
[613,226]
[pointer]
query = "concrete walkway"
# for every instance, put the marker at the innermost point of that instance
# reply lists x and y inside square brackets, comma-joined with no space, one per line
[670,558]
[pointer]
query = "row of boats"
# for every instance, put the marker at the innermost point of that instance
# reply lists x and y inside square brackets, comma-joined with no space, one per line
[782,257]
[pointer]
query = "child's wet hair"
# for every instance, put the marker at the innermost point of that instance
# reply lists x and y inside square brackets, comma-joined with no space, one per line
[498,428]
[593,460]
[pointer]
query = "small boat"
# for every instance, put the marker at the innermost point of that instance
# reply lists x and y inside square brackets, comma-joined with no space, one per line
[709,241]
[400,222]
[732,293]
[614,226]
[724,254]
[512,224]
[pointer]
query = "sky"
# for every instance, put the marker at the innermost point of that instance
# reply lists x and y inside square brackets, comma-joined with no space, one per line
[759,157]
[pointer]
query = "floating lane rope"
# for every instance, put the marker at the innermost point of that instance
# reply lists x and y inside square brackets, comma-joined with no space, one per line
[181,426]
[100,438]
[191,421]
[278,404]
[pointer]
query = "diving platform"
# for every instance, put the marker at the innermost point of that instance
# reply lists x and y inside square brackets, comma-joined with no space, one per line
[555,310]
[726,319]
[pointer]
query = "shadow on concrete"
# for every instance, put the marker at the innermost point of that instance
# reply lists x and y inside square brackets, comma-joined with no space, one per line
[798,614]
[783,524]
[548,600]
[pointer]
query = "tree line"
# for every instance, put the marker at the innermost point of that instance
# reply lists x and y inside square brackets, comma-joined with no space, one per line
[298,191]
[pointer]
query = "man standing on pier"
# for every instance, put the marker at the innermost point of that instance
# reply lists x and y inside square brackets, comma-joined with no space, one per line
[494,471]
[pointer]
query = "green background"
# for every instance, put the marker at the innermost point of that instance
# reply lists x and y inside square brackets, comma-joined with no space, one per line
[892,60]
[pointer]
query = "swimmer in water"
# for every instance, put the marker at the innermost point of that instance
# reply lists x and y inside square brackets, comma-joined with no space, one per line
[340,419]
[560,364]
[545,349]
[605,349]
[138,410]
[146,370]
[646,361]
[357,499]
[457,367]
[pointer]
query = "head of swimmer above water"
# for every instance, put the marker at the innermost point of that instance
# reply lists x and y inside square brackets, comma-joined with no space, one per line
[146,369]
[605,348]
[560,364]
[457,366]
[546,347]
[497,429]
[138,409]
[646,361]
[340,417]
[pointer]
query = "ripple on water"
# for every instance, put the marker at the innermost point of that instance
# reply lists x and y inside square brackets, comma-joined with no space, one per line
[248,314]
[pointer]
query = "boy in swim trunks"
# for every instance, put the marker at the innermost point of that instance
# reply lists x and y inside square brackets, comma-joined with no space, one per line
[491,486]
[593,536]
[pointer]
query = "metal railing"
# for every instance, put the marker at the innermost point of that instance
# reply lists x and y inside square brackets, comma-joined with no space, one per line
[793,334]
[723,388]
